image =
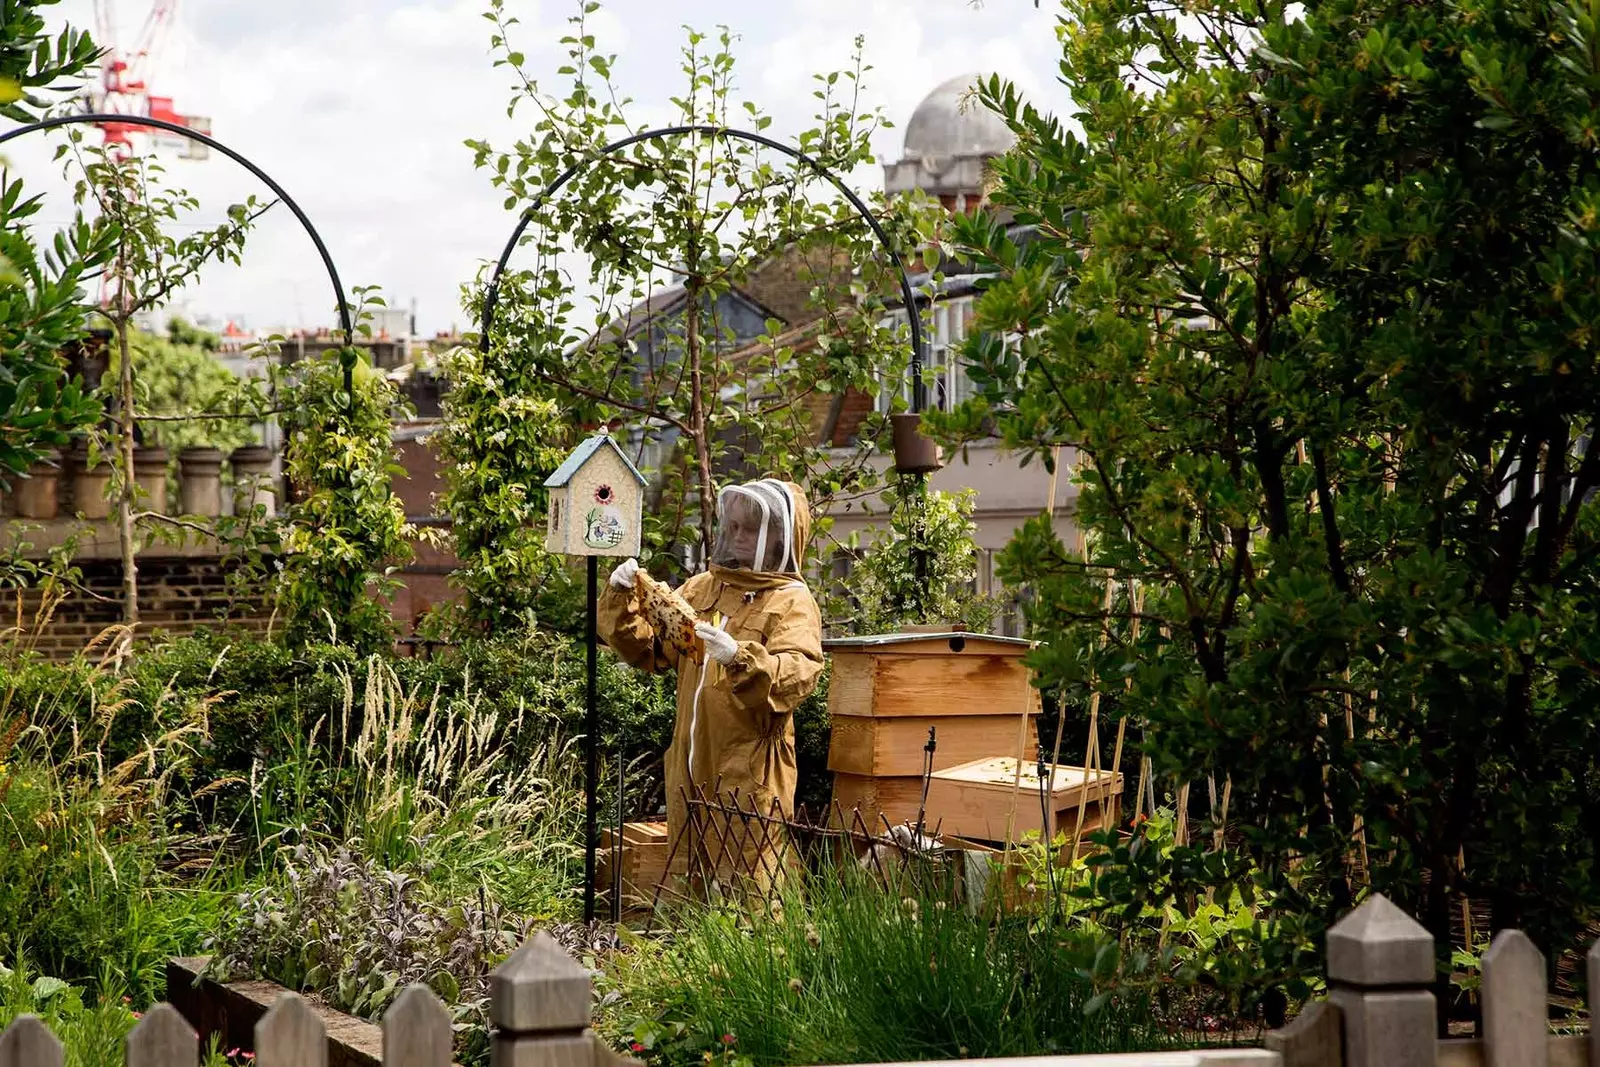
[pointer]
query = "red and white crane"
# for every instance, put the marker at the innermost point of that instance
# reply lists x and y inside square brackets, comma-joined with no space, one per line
[125,81]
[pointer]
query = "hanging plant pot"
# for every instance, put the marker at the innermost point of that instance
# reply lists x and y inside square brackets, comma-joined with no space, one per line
[914,453]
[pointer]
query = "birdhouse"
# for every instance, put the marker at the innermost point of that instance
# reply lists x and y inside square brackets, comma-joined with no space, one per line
[596,502]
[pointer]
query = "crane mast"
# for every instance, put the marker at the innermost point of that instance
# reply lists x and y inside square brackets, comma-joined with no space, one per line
[127,74]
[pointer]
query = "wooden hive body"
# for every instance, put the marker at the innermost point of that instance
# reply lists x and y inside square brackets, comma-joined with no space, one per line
[887,692]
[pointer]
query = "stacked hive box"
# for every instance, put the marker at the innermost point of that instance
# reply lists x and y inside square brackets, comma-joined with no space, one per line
[887,691]
[988,800]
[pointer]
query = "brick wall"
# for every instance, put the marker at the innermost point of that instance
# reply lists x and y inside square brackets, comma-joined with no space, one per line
[784,282]
[176,596]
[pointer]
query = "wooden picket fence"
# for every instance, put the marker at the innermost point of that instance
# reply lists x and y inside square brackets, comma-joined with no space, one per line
[1379,1013]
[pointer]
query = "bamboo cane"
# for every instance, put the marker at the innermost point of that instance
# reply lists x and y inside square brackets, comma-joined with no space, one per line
[1028,705]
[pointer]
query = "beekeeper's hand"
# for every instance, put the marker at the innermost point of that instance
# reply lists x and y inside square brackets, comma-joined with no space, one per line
[623,577]
[719,646]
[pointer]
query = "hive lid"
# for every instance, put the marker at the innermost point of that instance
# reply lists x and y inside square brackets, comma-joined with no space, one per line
[1000,772]
[968,641]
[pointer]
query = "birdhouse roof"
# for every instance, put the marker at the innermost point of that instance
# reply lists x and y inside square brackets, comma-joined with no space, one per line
[585,452]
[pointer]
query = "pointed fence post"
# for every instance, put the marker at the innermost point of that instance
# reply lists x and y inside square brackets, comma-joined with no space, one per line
[291,1035]
[416,1030]
[1312,1039]
[1380,974]
[163,1038]
[27,1042]
[1516,1026]
[539,1001]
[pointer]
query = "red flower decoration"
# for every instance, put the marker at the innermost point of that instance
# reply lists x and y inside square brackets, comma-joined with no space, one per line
[604,495]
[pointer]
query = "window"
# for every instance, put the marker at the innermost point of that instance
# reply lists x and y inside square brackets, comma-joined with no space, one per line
[948,384]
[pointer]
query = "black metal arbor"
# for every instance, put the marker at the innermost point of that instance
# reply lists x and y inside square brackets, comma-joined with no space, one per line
[346,319]
[913,454]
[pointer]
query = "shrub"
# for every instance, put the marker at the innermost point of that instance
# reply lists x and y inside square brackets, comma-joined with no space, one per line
[357,934]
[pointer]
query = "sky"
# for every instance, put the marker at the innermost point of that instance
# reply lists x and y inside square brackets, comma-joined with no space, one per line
[359,109]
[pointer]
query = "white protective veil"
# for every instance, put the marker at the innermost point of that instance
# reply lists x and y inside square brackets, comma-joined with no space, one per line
[755,528]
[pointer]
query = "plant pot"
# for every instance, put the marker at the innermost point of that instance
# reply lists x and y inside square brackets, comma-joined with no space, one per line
[252,480]
[89,485]
[913,452]
[200,482]
[150,472]
[38,496]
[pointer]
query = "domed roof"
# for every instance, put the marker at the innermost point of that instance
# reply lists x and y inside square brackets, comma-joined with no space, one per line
[946,126]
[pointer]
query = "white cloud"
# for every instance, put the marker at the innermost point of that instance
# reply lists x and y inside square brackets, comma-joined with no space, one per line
[360,107]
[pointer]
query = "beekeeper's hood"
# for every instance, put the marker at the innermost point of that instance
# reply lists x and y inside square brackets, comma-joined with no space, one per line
[762,528]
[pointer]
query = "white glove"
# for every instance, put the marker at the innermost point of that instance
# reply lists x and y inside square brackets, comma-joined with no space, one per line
[625,574]
[719,645]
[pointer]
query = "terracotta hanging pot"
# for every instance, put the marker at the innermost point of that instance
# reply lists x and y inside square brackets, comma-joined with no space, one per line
[914,453]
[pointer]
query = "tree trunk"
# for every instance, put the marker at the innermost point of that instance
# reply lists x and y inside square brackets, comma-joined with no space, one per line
[697,421]
[130,568]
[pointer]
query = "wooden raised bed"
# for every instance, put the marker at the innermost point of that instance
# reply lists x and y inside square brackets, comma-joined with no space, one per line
[232,1010]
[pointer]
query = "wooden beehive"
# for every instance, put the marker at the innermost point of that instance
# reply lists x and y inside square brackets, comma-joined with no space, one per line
[643,856]
[982,800]
[888,691]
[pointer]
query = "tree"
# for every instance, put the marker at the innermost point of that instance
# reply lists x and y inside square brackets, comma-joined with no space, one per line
[676,228]
[42,310]
[1311,299]
[147,266]
[184,397]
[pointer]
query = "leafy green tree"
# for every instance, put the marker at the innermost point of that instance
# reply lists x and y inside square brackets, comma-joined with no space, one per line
[686,221]
[184,397]
[42,307]
[1311,301]
[147,266]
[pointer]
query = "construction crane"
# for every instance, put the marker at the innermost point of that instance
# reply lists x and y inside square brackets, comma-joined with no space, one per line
[125,79]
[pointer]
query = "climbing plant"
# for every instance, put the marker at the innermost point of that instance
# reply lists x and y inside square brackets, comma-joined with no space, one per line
[889,586]
[672,237]
[347,531]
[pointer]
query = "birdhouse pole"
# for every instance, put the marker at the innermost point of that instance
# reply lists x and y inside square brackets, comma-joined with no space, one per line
[596,509]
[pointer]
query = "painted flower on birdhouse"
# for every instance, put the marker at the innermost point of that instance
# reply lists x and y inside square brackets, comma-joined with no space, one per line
[604,495]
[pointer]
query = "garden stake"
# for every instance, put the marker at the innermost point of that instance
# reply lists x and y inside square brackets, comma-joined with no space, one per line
[1092,747]
[927,775]
[1136,595]
[616,848]
[1033,699]
[591,748]
[1044,820]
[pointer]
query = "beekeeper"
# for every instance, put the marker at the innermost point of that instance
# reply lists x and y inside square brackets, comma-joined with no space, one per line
[762,638]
